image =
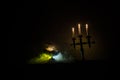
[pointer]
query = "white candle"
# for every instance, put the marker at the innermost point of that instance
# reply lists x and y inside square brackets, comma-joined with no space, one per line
[79,29]
[73,31]
[87,29]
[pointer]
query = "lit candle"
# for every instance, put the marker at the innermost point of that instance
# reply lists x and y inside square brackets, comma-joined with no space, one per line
[79,29]
[73,31]
[87,29]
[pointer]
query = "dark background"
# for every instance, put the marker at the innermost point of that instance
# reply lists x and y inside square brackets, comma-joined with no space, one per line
[34,23]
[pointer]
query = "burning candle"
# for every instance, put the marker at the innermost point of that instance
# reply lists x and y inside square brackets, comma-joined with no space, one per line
[73,31]
[87,29]
[79,29]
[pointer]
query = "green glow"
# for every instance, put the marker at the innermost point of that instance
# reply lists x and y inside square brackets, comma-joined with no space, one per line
[43,58]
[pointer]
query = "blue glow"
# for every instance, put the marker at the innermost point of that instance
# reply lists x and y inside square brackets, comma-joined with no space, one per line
[58,57]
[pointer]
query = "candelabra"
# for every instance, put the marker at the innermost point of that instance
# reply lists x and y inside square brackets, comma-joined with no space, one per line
[81,43]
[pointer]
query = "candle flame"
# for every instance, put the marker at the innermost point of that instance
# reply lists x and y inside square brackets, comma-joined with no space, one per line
[73,31]
[79,28]
[87,29]
[86,26]
[79,25]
